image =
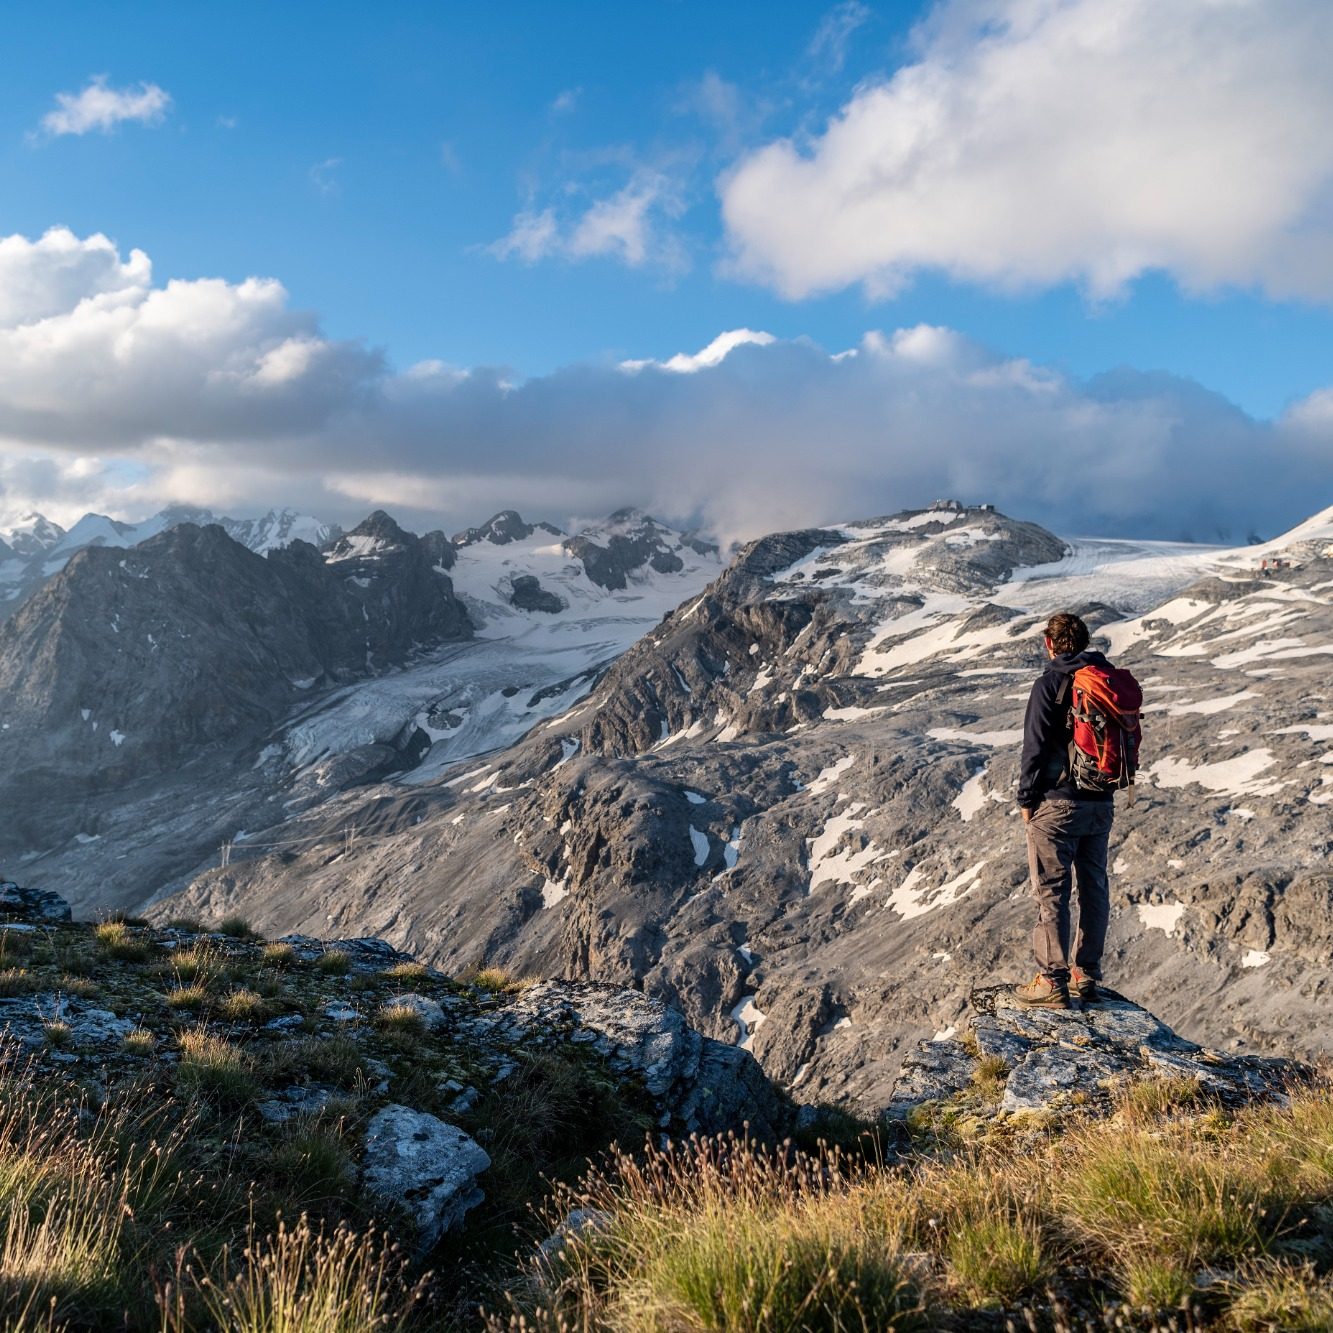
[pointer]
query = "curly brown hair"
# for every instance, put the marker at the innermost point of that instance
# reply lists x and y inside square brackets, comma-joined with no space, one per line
[1067,633]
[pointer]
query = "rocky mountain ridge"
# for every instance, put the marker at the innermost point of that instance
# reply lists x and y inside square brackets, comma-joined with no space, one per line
[788,808]
[169,695]
[34,550]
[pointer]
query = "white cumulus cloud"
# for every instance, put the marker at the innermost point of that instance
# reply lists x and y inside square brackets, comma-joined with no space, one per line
[1035,142]
[99,107]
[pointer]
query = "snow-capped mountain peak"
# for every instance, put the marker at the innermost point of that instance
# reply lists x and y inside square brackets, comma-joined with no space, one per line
[32,535]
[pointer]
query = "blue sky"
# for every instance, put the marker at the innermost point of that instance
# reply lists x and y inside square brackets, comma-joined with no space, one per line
[661,172]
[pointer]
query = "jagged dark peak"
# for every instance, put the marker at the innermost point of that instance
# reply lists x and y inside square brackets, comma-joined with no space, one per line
[439,550]
[190,533]
[376,534]
[502,528]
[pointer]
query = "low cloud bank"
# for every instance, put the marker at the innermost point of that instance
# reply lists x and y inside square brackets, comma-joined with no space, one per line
[122,395]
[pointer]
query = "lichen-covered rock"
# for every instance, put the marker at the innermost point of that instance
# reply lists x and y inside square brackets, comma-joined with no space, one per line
[1061,1057]
[25,1018]
[935,1070]
[702,1085]
[424,1165]
[363,955]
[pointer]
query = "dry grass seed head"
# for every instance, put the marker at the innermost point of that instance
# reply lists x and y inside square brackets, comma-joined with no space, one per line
[301,1280]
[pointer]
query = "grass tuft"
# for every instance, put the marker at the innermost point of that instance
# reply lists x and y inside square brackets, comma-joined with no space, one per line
[115,939]
[59,1034]
[990,1076]
[214,1069]
[17,981]
[997,1259]
[300,1280]
[336,1060]
[1154,1098]
[200,962]
[1292,1299]
[237,927]
[311,1162]
[406,972]
[243,1006]
[499,982]
[277,954]
[189,998]
[394,1017]
[334,963]
[139,1042]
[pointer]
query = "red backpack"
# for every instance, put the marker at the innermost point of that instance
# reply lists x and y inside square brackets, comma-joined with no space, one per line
[1104,712]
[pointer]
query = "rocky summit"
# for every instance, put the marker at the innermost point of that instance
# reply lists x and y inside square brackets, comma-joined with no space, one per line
[1051,1060]
[788,808]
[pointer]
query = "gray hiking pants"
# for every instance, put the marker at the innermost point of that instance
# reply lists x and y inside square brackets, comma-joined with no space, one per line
[1067,843]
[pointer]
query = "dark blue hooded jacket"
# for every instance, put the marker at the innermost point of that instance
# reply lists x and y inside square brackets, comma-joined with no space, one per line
[1043,770]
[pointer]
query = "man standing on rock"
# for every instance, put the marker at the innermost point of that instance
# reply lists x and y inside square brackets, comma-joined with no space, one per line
[1068,827]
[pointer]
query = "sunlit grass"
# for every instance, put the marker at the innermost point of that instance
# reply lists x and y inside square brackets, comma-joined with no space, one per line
[300,1280]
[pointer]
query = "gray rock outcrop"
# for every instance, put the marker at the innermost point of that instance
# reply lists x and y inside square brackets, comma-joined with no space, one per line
[30,905]
[527,593]
[1055,1059]
[417,1162]
[703,1086]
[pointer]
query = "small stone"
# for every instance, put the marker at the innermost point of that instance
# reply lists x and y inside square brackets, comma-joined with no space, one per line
[577,1222]
[287,1023]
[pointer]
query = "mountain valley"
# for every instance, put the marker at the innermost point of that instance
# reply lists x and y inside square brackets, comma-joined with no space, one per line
[787,808]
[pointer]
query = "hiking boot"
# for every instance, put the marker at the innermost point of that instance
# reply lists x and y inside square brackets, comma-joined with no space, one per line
[1083,987]
[1043,992]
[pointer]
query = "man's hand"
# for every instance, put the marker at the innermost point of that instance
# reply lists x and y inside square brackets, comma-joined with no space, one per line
[1027,815]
